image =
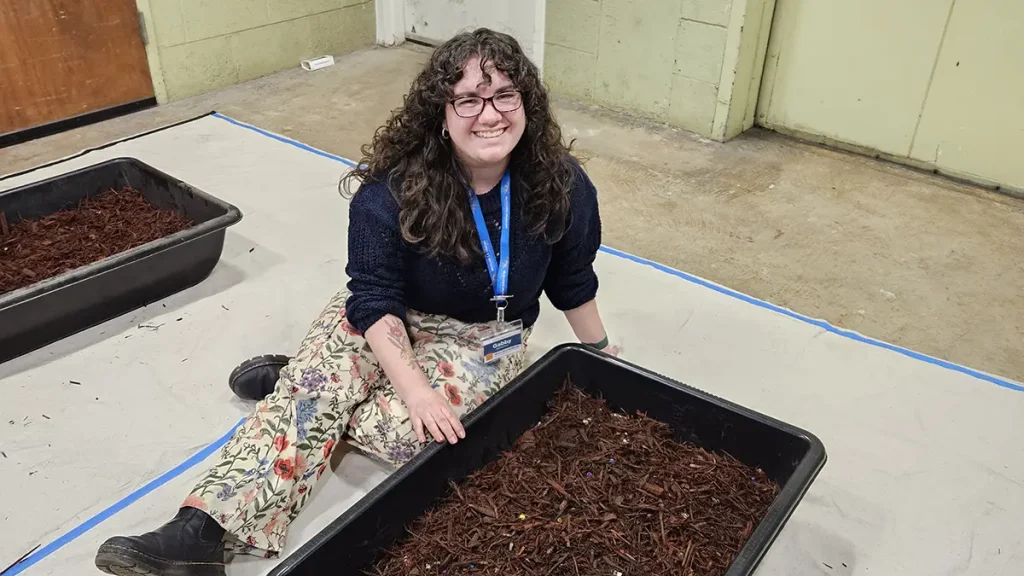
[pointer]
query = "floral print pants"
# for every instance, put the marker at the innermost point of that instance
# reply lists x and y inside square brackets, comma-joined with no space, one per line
[332,390]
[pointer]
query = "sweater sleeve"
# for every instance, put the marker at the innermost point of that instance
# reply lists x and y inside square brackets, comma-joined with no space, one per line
[375,258]
[571,281]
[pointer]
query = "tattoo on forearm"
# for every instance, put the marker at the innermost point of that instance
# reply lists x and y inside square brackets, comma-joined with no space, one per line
[399,338]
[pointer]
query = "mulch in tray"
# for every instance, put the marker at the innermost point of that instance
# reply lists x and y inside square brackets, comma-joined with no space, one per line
[590,492]
[98,227]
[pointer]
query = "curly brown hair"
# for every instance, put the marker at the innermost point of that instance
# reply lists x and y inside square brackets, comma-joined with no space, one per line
[421,168]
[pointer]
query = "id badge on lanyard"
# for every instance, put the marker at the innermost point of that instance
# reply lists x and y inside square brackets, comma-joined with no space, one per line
[507,337]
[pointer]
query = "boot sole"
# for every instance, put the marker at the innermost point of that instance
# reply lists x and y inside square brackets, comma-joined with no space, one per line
[253,364]
[122,561]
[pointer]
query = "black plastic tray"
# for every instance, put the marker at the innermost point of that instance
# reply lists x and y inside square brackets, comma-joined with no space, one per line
[55,308]
[791,456]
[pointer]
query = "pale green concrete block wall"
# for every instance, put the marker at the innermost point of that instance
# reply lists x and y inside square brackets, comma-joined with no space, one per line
[635,55]
[693,104]
[936,84]
[197,67]
[570,72]
[211,18]
[707,11]
[208,44]
[660,59]
[570,47]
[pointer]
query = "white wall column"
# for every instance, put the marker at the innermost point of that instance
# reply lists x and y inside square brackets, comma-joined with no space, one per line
[390,22]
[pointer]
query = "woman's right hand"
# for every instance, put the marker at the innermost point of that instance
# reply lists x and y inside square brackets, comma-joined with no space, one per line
[389,340]
[430,411]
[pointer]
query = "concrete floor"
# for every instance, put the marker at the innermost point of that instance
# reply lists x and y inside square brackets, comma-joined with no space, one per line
[924,461]
[905,257]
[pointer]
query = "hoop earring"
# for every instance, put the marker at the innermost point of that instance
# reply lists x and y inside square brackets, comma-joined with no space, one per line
[444,133]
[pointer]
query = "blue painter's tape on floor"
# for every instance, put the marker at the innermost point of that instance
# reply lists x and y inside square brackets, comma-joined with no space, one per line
[720,289]
[122,504]
[819,323]
[286,140]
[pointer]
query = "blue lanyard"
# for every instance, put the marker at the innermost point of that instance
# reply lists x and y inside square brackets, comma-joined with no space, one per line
[499,271]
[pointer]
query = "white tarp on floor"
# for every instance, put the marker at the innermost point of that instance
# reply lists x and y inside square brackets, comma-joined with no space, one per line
[926,459]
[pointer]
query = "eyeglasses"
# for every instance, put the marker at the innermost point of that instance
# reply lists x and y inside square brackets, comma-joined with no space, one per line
[472,106]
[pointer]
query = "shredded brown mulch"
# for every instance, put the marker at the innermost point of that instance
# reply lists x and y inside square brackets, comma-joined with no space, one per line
[98,227]
[587,492]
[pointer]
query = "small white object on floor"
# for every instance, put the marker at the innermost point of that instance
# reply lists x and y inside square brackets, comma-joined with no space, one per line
[318,62]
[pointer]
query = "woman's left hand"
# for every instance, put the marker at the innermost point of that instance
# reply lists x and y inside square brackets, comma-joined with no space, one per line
[587,325]
[613,349]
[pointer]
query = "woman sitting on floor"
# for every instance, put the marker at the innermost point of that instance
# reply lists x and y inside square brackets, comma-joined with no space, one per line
[469,207]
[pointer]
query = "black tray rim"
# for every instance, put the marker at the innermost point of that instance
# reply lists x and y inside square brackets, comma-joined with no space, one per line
[232,216]
[747,559]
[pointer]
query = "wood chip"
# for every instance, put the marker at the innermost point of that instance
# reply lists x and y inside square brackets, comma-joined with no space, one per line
[654,489]
[558,488]
[483,511]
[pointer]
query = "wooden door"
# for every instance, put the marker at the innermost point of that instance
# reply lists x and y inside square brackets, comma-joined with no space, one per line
[64,58]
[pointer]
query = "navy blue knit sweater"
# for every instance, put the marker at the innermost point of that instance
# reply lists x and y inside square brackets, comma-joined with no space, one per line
[388,277]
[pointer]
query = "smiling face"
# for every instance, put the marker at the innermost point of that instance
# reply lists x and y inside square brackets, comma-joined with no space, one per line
[486,139]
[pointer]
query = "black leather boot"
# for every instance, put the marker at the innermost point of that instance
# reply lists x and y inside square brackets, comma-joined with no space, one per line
[255,378]
[192,544]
